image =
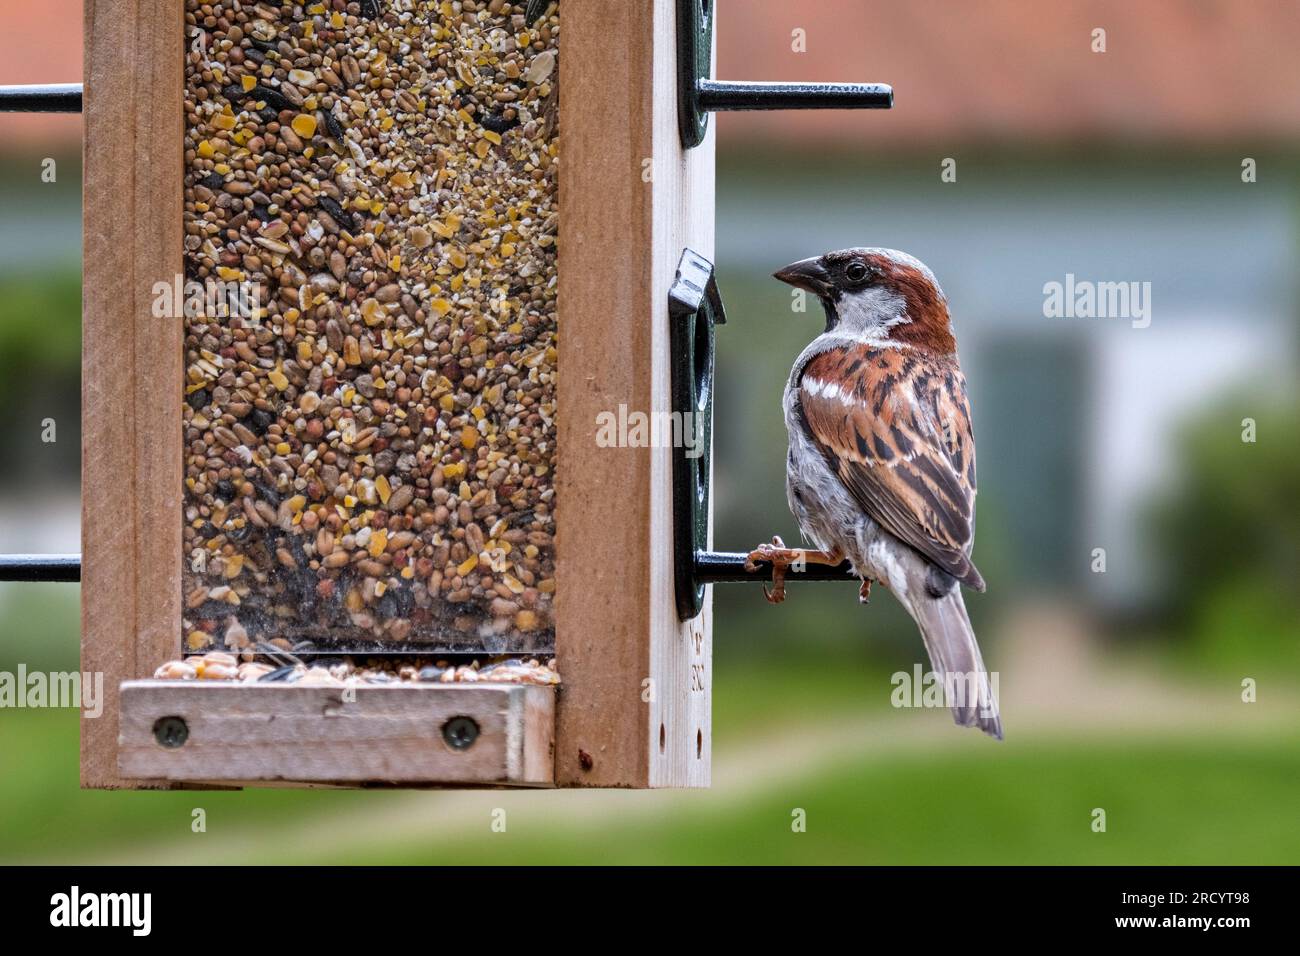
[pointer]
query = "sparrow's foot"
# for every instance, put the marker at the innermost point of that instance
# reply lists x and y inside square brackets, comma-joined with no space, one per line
[782,559]
[864,592]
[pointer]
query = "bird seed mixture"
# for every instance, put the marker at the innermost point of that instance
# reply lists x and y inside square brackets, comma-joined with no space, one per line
[369,449]
[219,665]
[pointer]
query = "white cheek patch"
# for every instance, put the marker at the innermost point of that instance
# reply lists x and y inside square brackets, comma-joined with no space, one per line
[871,312]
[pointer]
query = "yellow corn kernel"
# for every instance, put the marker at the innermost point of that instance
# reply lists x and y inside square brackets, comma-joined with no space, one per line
[372,312]
[304,124]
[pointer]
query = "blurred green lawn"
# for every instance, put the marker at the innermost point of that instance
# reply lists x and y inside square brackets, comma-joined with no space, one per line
[1167,802]
[1187,799]
[1024,805]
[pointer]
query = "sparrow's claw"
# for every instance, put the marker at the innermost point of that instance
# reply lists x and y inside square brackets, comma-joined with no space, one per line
[780,558]
[777,594]
[864,592]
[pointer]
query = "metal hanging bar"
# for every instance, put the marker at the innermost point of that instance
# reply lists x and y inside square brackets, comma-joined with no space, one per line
[46,98]
[40,567]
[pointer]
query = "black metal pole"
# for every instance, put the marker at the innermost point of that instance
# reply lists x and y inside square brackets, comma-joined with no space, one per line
[723,567]
[47,98]
[714,95]
[40,567]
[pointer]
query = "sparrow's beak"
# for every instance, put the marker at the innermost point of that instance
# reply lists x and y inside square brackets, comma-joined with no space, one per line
[807,274]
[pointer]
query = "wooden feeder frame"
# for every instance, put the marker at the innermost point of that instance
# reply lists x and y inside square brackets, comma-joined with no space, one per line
[634,707]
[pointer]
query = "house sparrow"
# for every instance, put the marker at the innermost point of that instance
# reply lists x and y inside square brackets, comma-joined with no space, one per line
[881,468]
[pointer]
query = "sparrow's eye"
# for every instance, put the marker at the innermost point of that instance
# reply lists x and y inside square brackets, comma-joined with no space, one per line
[856,272]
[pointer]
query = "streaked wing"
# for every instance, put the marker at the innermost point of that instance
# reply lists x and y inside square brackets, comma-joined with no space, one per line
[895,426]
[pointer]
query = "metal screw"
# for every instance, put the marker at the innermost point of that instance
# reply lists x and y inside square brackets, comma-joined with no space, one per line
[171,732]
[460,732]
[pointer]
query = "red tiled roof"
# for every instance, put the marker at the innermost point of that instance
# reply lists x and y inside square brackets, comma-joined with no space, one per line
[988,70]
[962,70]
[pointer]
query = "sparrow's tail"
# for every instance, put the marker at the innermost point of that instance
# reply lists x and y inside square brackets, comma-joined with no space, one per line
[955,656]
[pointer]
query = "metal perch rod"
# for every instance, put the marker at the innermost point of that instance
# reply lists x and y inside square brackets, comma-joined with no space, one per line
[40,567]
[714,95]
[723,567]
[46,98]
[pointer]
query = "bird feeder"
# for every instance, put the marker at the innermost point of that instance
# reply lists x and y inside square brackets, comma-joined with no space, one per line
[388,450]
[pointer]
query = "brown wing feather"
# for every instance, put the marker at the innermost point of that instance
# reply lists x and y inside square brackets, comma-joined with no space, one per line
[895,426]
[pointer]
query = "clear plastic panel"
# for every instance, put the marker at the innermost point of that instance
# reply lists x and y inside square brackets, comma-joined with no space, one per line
[370,327]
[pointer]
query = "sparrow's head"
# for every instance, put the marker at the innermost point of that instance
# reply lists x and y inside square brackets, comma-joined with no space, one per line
[877,294]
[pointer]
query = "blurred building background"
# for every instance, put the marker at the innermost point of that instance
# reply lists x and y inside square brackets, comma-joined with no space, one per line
[1121,689]
[1122,166]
